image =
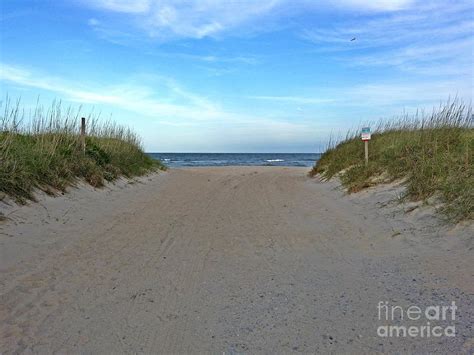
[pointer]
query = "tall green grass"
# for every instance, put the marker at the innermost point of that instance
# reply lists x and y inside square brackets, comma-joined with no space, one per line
[431,153]
[41,149]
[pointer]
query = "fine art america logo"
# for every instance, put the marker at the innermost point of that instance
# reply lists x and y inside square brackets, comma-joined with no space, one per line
[414,321]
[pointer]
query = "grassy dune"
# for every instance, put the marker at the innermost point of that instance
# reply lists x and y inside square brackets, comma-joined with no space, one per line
[42,150]
[432,154]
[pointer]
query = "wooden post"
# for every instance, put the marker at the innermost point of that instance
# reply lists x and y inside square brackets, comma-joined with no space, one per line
[467,155]
[366,143]
[83,134]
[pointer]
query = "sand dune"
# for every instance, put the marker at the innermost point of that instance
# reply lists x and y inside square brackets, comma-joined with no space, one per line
[238,259]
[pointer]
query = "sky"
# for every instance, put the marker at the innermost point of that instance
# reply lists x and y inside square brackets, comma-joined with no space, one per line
[238,75]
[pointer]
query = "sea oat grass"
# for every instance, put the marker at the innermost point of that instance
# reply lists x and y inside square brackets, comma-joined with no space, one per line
[43,151]
[433,155]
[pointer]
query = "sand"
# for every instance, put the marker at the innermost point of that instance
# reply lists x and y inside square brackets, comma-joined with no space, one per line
[227,260]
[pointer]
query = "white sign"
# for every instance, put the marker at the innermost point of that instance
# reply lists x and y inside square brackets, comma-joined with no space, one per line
[365,135]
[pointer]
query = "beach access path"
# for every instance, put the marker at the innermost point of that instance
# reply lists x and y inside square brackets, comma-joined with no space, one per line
[226,260]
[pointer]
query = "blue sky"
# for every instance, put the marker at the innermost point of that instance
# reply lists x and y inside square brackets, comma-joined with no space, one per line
[238,75]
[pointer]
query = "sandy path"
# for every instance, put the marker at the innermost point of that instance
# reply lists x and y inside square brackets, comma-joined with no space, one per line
[224,260]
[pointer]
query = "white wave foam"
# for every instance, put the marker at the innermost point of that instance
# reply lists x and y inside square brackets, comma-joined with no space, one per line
[274,160]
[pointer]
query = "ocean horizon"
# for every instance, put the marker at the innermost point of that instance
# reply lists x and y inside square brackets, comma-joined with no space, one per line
[236,159]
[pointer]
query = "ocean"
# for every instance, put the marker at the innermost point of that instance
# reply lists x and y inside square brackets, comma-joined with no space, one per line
[236,159]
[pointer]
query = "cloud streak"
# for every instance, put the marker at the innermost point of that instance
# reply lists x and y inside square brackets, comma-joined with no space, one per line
[178,108]
[165,19]
[129,97]
[187,19]
[293,99]
[125,6]
[376,5]
[174,106]
[434,38]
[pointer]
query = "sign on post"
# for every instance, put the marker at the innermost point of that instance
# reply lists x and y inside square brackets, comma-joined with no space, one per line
[365,135]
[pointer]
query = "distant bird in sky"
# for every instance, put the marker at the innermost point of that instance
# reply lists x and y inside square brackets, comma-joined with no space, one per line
[353,39]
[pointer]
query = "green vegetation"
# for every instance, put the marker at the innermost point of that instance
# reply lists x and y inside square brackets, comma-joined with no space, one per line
[433,156]
[44,151]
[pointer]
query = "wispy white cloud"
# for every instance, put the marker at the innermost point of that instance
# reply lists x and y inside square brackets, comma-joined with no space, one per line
[401,94]
[446,58]
[434,38]
[126,6]
[293,99]
[170,105]
[404,28]
[211,58]
[378,96]
[175,103]
[93,22]
[164,19]
[113,34]
[174,106]
[191,19]
[373,5]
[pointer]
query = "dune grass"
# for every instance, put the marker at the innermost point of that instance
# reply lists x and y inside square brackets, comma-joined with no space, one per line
[42,150]
[432,154]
